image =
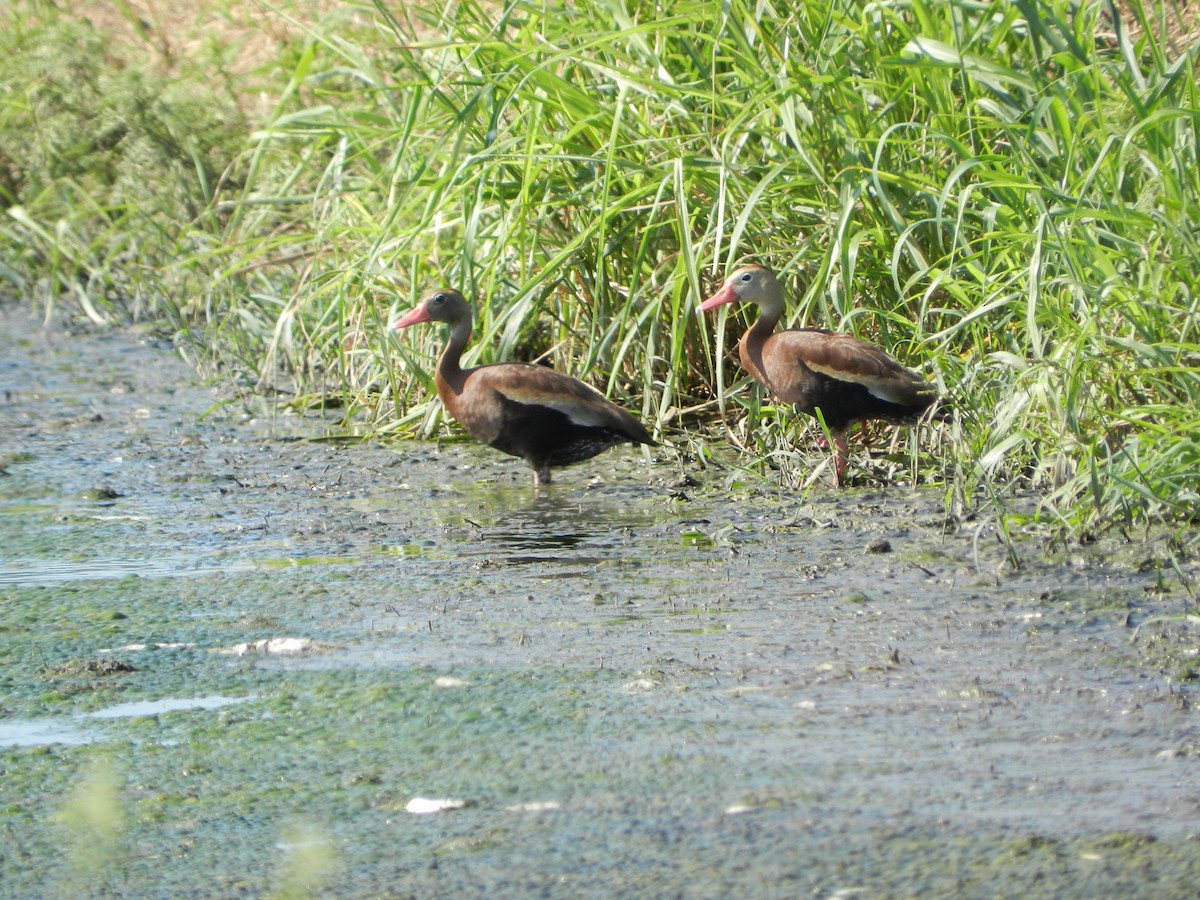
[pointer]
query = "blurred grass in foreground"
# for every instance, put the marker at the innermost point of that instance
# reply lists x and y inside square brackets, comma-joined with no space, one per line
[1003,194]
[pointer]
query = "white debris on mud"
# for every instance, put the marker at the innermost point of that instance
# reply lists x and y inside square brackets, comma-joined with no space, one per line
[281,646]
[420,806]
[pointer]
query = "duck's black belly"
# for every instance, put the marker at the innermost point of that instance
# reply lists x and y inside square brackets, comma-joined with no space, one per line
[845,402]
[547,436]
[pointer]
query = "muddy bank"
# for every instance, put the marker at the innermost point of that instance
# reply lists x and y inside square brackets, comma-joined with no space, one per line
[237,648]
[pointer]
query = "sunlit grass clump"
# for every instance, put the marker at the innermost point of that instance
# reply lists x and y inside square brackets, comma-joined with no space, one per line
[107,169]
[1003,194]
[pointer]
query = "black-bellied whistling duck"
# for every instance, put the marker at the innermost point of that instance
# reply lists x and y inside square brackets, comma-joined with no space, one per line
[544,417]
[845,378]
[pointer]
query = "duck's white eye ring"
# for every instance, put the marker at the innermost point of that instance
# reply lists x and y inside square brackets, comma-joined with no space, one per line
[746,276]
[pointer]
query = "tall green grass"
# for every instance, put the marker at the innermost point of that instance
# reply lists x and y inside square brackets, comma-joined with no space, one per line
[107,169]
[1002,193]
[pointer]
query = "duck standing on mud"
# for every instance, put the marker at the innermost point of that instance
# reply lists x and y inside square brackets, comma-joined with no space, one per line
[844,378]
[544,417]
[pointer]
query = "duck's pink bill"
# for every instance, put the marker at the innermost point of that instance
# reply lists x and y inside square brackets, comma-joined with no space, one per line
[725,295]
[412,317]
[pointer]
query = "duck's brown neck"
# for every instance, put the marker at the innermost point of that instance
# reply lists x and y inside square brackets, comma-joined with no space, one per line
[449,367]
[764,325]
[770,310]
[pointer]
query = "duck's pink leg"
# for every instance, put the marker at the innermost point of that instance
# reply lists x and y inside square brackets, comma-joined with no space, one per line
[841,456]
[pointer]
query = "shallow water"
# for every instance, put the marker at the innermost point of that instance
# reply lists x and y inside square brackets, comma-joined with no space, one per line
[16,732]
[653,679]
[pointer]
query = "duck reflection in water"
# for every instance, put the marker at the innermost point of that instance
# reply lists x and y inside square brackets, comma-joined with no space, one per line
[549,522]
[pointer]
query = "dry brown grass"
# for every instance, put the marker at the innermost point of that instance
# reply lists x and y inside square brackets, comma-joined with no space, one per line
[1177,32]
[177,33]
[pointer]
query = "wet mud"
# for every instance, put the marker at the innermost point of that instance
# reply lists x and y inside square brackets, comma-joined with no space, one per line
[243,653]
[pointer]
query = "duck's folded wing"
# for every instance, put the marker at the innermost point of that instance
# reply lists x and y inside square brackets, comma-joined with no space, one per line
[579,402]
[847,358]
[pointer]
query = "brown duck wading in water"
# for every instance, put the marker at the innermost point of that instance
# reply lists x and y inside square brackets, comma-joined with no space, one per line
[544,417]
[845,378]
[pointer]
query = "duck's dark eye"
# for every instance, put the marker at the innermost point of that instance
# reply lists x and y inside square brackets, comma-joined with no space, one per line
[746,276]
[439,298]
